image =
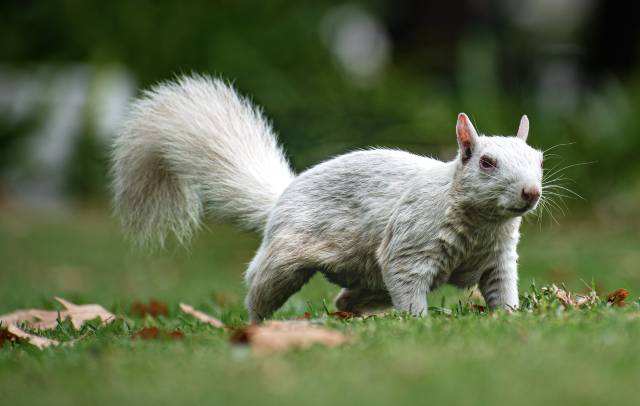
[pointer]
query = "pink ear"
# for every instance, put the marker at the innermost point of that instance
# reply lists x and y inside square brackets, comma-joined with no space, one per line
[523,129]
[467,136]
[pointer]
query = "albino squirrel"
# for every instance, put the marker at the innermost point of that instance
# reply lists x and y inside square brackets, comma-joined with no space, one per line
[386,225]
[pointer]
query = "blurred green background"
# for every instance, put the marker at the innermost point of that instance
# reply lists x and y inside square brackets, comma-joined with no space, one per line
[332,76]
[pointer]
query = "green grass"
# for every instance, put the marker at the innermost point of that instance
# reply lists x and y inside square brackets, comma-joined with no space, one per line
[544,355]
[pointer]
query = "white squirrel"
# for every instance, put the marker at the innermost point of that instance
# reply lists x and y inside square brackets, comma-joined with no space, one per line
[387,226]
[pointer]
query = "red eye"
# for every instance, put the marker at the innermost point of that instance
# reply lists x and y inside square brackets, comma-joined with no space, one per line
[488,163]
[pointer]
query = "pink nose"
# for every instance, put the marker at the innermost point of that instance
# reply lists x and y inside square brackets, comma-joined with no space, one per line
[530,194]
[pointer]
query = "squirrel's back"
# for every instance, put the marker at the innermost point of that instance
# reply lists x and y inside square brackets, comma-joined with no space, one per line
[352,194]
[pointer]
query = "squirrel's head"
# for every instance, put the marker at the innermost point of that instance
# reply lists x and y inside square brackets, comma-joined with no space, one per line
[499,176]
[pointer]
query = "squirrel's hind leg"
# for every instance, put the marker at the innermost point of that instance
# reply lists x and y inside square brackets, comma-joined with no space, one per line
[272,279]
[362,301]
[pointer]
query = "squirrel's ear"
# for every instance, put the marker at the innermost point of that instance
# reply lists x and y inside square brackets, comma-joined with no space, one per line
[467,136]
[523,130]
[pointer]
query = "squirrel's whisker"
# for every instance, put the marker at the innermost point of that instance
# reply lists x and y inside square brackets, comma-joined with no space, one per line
[557,146]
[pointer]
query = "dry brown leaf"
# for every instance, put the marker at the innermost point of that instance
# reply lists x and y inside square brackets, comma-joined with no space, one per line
[48,319]
[78,314]
[176,334]
[6,336]
[40,342]
[305,316]
[617,297]
[147,333]
[203,317]
[154,333]
[343,315]
[478,307]
[34,318]
[586,300]
[569,299]
[154,308]
[565,297]
[274,336]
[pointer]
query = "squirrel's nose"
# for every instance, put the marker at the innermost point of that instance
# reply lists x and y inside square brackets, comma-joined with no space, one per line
[531,194]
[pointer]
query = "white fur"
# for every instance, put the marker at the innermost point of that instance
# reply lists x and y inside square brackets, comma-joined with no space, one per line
[192,146]
[388,226]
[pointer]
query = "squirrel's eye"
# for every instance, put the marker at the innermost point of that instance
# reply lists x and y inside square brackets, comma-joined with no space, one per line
[488,163]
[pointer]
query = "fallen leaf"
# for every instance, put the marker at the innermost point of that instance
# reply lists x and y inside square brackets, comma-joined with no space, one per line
[147,333]
[240,335]
[617,297]
[6,336]
[343,315]
[203,317]
[40,342]
[154,333]
[586,300]
[305,316]
[48,319]
[274,336]
[478,307]
[564,297]
[78,314]
[176,334]
[569,299]
[155,308]
[34,318]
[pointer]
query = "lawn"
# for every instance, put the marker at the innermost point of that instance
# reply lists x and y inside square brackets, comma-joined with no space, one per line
[460,356]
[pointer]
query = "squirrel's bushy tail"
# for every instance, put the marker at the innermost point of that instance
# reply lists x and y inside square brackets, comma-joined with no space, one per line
[193,146]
